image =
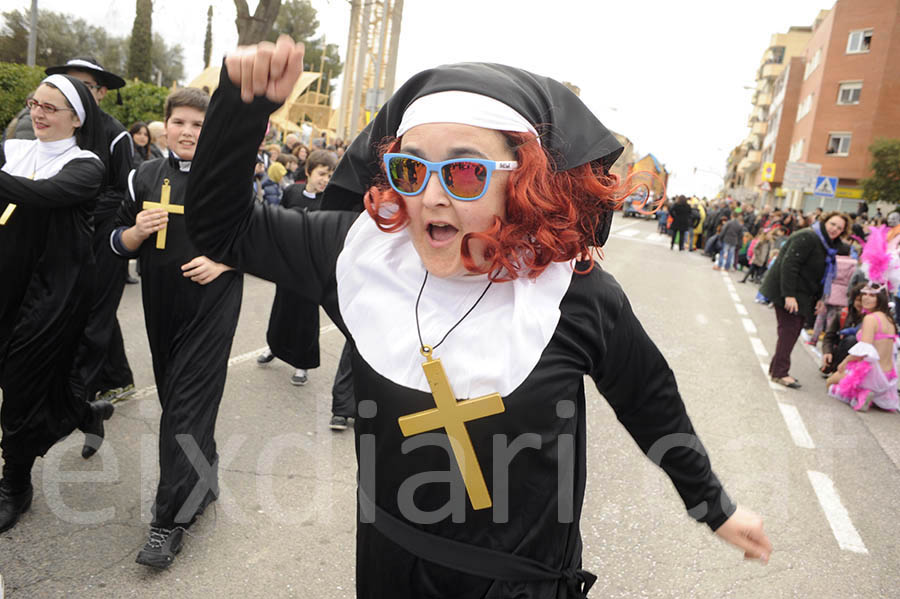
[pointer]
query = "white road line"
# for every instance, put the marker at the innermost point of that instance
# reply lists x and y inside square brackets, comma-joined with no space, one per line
[652,237]
[758,347]
[628,232]
[151,390]
[734,297]
[838,518]
[749,326]
[740,309]
[795,426]
[702,320]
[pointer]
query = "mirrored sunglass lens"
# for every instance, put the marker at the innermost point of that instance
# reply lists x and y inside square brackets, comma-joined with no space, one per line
[465,179]
[407,174]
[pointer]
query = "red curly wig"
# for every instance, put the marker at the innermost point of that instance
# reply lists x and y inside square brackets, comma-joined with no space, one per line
[550,216]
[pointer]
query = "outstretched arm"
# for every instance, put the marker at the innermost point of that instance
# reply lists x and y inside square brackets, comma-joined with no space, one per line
[292,249]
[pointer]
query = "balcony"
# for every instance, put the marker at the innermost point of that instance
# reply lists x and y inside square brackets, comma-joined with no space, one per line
[763,99]
[771,71]
[750,162]
[760,128]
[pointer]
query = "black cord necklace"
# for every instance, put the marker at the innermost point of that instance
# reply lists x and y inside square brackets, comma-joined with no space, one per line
[426,350]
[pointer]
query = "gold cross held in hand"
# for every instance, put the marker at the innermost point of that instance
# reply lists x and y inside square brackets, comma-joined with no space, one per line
[163,203]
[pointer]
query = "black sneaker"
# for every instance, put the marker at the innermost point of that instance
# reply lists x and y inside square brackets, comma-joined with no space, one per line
[161,548]
[265,357]
[338,423]
[13,504]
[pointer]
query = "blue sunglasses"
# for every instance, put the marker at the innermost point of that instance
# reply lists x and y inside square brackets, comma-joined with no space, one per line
[465,179]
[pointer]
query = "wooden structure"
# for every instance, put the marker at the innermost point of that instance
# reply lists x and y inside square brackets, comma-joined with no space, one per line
[370,64]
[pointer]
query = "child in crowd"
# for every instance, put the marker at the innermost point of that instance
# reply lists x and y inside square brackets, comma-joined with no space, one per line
[837,298]
[191,307]
[743,261]
[840,335]
[758,254]
[271,183]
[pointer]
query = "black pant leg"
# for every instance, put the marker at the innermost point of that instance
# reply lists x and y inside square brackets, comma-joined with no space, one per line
[342,400]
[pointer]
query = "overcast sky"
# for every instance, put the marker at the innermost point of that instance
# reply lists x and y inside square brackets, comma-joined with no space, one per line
[668,74]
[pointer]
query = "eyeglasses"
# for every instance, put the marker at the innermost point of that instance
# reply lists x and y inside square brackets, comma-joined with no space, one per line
[465,179]
[31,104]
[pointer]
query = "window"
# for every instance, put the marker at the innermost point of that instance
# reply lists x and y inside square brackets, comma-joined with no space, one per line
[804,107]
[848,93]
[812,64]
[796,151]
[859,41]
[838,144]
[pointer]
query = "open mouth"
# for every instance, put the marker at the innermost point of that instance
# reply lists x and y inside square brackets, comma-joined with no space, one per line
[441,232]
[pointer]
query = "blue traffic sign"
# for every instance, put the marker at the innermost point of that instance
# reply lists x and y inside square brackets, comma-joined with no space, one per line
[826,186]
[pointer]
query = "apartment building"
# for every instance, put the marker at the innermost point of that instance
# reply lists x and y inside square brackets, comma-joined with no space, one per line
[849,96]
[744,163]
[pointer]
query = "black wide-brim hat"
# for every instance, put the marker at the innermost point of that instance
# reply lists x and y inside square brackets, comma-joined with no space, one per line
[88,64]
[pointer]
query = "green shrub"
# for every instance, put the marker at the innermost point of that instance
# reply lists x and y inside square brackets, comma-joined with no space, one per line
[16,82]
[140,102]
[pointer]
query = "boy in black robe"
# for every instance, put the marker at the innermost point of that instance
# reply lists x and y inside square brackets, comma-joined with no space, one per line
[191,307]
[101,361]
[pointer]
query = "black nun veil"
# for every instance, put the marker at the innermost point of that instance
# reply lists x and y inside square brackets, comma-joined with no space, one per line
[569,131]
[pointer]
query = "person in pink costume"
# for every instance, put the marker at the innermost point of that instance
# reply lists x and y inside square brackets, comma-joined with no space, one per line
[869,373]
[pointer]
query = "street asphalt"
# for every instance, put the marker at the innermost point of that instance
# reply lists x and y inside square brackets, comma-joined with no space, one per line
[284,525]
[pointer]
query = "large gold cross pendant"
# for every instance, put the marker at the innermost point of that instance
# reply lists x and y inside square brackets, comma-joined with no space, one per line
[163,203]
[6,214]
[452,416]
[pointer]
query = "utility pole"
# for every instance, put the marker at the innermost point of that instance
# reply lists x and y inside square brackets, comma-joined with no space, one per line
[32,35]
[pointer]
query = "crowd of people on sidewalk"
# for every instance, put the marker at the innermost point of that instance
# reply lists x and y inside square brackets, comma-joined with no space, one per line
[813,270]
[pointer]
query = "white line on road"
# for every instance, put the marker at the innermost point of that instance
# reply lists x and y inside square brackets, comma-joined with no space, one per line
[151,390]
[702,320]
[734,297]
[740,309]
[628,232]
[838,518]
[795,426]
[749,326]
[758,347]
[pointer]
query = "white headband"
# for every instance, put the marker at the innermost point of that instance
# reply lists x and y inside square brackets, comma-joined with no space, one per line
[68,90]
[465,108]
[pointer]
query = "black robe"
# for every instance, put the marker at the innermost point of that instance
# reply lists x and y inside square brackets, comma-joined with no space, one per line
[190,328]
[597,335]
[293,332]
[46,274]
[101,358]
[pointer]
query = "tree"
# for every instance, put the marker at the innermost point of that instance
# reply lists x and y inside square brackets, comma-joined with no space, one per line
[255,29]
[332,67]
[140,49]
[168,62]
[884,184]
[60,37]
[140,102]
[16,82]
[296,18]
[207,43]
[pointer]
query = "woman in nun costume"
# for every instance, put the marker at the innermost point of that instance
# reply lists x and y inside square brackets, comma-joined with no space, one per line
[473,308]
[48,187]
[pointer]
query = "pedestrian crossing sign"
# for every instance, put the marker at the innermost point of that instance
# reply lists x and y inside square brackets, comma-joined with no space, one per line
[826,186]
[768,171]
